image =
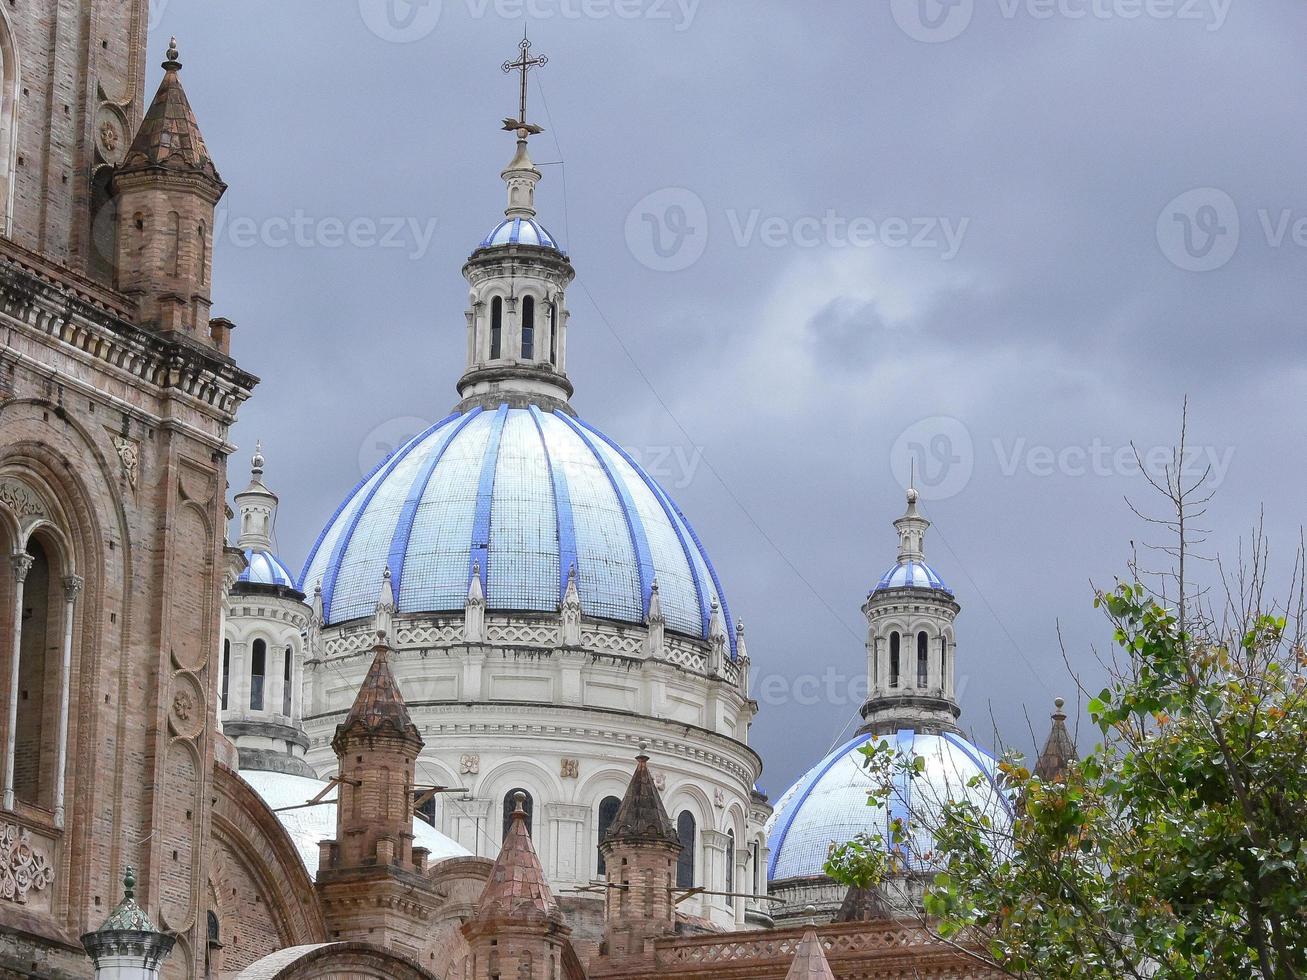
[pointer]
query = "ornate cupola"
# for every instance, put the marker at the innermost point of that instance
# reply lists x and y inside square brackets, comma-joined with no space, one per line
[910,642]
[518,275]
[257,507]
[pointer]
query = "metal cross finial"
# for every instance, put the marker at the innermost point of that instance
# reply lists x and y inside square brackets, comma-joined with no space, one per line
[523,64]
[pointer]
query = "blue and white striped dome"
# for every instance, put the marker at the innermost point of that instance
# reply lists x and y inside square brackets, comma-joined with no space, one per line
[521,495]
[520,231]
[912,575]
[265,568]
[828,805]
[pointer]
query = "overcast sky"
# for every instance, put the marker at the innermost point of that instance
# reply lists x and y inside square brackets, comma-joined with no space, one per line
[812,240]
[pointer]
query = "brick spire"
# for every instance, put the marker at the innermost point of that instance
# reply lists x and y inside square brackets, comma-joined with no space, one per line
[517,889]
[379,705]
[1059,751]
[810,961]
[642,818]
[169,137]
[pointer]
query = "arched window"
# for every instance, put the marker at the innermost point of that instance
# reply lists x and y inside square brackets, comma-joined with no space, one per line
[510,804]
[33,738]
[202,234]
[923,660]
[8,125]
[258,668]
[894,659]
[553,333]
[496,327]
[686,830]
[226,671]
[730,868]
[285,681]
[529,328]
[607,814]
[755,859]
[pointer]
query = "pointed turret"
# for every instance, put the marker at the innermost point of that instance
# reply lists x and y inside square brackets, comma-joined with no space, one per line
[376,746]
[518,930]
[810,961]
[640,853]
[569,612]
[474,608]
[863,904]
[1059,750]
[383,617]
[656,636]
[166,190]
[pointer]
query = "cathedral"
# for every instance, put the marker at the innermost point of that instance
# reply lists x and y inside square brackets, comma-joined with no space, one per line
[495,727]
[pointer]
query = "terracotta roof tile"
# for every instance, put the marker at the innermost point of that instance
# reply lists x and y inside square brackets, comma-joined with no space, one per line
[642,817]
[1059,751]
[169,136]
[517,888]
[810,961]
[379,703]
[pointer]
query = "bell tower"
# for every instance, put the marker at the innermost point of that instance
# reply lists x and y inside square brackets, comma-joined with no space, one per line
[518,277]
[911,644]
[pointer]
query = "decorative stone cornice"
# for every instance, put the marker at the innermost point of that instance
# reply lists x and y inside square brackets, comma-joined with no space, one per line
[97,324]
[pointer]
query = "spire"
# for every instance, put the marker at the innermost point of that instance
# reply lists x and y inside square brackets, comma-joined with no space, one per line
[474,608]
[379,704]
[863,904]
[383,618]
[570,612]
[912,531]
[169,137]
[1059,751]
[810,961]
[642,818]
[256,462]
[517,888]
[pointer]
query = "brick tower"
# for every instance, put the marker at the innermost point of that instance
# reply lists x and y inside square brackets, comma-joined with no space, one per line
[640,854]
[372,880]
[518,931]
[165,193]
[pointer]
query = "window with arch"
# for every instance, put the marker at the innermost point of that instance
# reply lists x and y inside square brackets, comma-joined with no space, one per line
[510,805]
[37,694]
[687,831]
[755,861]
[202,241]
[286,687]
[528,328]
[730,868]
[943,663]
[894,659]
[923,660]
[496,327]
[226,672]
[8,125]
[553,333]
[608,808]
[174,243]
[258,671]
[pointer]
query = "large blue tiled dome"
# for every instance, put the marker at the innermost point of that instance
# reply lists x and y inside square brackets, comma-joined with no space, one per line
[521,495]
[828,805]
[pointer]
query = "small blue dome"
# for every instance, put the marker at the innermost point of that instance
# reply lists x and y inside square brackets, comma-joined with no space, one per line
[520,231]
[265,568]
[521,496]
[912,575]
[828,805]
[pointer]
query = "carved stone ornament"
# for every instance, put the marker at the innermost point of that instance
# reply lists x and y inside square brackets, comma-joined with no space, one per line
[19,499]
[469,764]
[182,706]
[719,798]
[23,869]
[660,781]
[130,455]
[186,709]
[570,769]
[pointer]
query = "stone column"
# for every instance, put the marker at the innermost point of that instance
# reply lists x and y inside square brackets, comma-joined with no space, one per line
[22,564]
[72,589]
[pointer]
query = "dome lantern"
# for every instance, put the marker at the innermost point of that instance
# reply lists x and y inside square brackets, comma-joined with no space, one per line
[911,645]
[517,315]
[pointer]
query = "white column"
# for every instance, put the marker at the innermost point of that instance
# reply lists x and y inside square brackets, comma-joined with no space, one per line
[22,564]
[72,589]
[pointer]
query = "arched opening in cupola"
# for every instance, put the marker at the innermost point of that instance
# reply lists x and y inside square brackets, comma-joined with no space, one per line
[894,659]
[496,328]
[923,660]
[528,328]
[608,808]
[258,673]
